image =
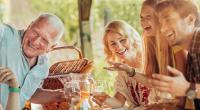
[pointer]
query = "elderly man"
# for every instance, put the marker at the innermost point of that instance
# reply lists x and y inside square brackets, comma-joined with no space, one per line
[179,20]
[23,52]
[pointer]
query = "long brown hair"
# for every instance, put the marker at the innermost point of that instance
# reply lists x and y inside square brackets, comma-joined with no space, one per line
[156,49]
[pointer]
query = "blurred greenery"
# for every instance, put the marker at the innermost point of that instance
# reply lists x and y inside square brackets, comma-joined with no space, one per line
[67,10]
[2,9]
[102,11]
[127,10]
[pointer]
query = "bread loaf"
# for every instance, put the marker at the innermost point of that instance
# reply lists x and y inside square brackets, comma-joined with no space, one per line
[72,66]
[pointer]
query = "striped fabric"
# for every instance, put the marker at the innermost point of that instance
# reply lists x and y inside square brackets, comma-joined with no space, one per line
[193,63]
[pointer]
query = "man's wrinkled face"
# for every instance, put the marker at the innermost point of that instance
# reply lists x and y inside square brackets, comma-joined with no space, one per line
[148,21]
[39,38]
[173,27]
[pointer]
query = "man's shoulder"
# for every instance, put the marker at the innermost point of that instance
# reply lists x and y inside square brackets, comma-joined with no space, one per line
[7,30]
[195,48]
[7,27]
[198,31]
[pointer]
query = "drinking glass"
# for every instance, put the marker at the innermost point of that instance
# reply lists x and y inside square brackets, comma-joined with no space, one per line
[98,92]
[72,93]
[85,88]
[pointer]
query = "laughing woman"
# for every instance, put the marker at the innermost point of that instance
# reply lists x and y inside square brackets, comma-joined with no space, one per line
[123,44]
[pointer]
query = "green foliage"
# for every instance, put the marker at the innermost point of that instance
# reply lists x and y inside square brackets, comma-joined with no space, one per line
[2,9]
[198,2]
[127,10]
[67,10]
[102,74]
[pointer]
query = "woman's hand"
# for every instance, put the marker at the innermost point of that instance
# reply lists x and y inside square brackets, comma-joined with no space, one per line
[118,67]
[8,77]
[121,67]
[99,98]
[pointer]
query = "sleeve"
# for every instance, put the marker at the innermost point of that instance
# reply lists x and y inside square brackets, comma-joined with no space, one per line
[2,31]
[121,86]
[33,79]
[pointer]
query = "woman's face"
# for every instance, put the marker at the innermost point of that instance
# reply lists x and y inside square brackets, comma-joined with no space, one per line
[148,21]
[119,45]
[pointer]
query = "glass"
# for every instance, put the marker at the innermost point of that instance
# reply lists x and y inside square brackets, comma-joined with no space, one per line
[98,92]
[85,88]
[76,88]
[163,101]
[72,93]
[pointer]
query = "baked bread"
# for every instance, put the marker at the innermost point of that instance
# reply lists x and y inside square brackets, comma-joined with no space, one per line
[71,66]
[56,106]
[81,66]
[52,83]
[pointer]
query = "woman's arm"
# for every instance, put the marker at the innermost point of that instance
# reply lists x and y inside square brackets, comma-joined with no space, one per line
[13,99]
[180,64]
[139,77]
[7,77]
[114,102]
[142,78]
[120,98]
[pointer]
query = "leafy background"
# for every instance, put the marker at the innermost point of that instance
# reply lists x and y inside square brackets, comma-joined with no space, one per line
[67,10]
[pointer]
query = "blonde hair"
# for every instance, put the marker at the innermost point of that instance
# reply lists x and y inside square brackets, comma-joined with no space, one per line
[124,29]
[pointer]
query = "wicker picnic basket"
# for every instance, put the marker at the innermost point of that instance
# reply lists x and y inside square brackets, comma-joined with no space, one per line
[60,70]
[79,66]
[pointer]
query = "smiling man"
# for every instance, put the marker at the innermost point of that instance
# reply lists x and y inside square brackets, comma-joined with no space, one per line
[179,20]
[23,52]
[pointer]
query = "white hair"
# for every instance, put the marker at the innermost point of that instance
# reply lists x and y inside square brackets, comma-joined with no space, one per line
[55,21]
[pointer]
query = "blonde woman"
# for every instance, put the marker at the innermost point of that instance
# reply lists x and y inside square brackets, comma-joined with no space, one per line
[123,44]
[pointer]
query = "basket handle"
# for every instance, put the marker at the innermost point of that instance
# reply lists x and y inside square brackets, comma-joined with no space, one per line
[69,47]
